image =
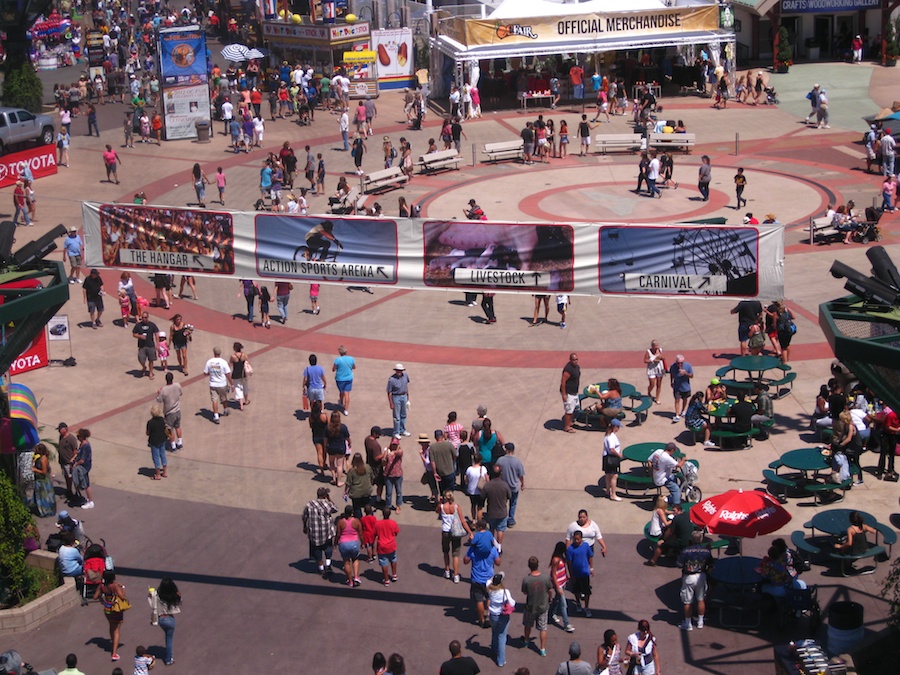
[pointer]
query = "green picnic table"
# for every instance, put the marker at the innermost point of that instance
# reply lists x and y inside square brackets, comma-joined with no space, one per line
[640,452]
[627,389]
[756,366]
[805,460]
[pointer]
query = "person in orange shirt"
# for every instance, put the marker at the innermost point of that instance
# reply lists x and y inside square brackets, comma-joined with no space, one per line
[576,79]
[156,124]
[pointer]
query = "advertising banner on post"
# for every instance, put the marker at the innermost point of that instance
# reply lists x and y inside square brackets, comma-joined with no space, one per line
[665,260]
[41,160]
[184,78]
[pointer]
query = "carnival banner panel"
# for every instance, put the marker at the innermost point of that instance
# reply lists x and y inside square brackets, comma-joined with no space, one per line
[148,238]
[535,30]
[350,250]
[691,260]
[499,256]
[182,55]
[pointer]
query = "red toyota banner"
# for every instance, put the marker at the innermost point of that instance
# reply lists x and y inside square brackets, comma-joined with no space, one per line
[36,356]
[41,159]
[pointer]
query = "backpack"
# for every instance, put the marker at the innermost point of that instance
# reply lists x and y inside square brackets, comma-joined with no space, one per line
[786,322]
[393,153]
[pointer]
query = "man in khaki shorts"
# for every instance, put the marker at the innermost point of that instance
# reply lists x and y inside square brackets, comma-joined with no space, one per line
[219,382]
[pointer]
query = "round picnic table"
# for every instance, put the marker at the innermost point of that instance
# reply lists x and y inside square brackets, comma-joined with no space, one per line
[627,389]
[738,571]
[805,460]
[640,452]
[836,521]
[755,364]
[722,409]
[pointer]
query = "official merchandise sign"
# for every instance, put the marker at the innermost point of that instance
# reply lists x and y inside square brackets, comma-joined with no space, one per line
[36,356]
[41,160]
[535,30]
[543,257]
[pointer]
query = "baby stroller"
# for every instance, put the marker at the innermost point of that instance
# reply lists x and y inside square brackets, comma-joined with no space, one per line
[867,230]
[96,562]
[771,96]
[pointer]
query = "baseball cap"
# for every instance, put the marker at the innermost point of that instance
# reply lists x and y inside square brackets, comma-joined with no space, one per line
[715,380]
[615,423]
[62,425]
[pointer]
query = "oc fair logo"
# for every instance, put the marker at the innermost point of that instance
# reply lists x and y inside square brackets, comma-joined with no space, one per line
[515,30]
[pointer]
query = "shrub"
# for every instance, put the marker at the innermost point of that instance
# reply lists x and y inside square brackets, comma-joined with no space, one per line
[785,48]
[20,580]
[22,88]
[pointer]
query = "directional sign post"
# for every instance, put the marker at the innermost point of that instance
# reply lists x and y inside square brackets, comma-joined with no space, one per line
[694,284]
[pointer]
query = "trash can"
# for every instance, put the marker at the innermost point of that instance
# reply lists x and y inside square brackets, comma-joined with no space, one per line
[845,626]
[202,131]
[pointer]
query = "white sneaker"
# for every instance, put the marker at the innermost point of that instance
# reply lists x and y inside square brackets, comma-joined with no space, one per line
[677,418]
[88,505]
[686,625]
[455,578]
[709,444]
[446,574]
[699,622]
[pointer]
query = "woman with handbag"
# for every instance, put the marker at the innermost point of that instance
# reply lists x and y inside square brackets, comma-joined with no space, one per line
[656,369]
[240,371]
[453,529]
[641,651]
[612,458]
[609,655]
[165,603]
[500,607]
[115,603]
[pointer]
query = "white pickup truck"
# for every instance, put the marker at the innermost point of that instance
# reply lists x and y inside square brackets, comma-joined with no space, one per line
[19,126]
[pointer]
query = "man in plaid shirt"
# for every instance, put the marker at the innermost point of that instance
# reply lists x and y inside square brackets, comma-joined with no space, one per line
[318,525]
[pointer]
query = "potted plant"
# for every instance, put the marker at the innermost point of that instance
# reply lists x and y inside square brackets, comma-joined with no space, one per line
[891,44]
[784,54]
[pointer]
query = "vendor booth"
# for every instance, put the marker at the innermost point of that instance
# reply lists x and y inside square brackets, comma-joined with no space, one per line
[648,38]
[323,46]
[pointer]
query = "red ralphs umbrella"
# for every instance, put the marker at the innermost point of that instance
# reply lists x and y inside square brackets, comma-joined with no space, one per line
[740,514]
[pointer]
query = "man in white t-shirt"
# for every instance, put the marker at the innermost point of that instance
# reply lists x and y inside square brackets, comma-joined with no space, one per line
[590,531]
[662,465]
[219,381]
[227,114]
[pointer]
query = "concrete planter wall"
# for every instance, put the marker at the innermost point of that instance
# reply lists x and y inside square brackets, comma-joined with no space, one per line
[48,605]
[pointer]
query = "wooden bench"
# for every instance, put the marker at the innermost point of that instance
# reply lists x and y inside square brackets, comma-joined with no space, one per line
[726,434]
[669,141]
[640,410]
[443,159]
[819,489]
[505,150]
[350,202]
[787,380]
[873,552]
[822,231]
[629,142]
[785,483]
[383,179]
[632,481]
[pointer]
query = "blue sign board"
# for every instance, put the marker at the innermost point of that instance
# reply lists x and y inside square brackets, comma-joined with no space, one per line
[182,55]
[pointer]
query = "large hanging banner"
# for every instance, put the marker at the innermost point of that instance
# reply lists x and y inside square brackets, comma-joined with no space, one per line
[185,89]
[535,30]
[541,257]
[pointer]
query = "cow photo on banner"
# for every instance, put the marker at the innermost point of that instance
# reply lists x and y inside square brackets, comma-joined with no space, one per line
[662,260]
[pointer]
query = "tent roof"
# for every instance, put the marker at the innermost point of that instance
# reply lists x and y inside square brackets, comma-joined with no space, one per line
[518,9]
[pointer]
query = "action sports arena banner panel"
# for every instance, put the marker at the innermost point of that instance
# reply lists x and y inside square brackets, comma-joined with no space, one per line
[478,32]
[542,257]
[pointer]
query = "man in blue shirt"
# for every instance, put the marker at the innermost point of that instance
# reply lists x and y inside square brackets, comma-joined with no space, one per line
[398,398]
[343,377]
[579,557]
[680,373]
[314,380]
[73,249]
[482,555]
